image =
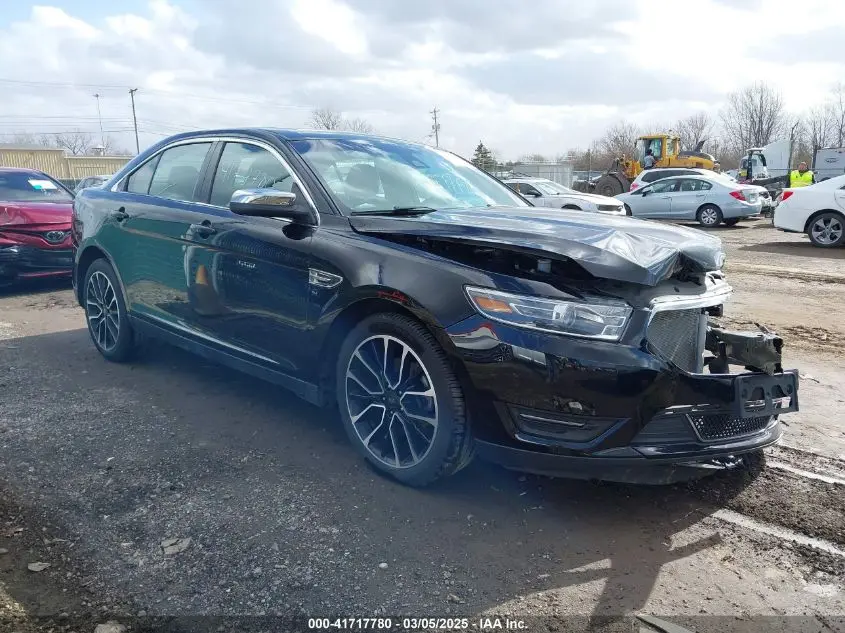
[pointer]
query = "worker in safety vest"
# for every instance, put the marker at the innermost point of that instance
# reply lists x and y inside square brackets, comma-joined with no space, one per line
[801,177]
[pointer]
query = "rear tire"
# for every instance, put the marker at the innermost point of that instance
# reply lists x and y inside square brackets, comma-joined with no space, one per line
[105,313]
[827,230]
[709,216]
[400,402]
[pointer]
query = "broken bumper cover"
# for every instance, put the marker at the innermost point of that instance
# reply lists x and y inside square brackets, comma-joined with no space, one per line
[26,261]
[614,411]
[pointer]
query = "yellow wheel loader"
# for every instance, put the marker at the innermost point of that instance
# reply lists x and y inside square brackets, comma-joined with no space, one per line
[666,149]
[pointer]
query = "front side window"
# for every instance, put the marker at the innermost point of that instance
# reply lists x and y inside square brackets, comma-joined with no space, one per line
[529,190]
[21,186]
[246,166]
[383,175]
[139,181]
[178,172]
[663,186]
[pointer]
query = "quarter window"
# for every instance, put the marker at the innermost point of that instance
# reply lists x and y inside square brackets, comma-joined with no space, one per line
[247,166]
[139,181]
[178,172]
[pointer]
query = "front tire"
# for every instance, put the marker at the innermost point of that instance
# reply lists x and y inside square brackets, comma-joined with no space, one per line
[709,216]
[105,313]
[400,402]
[827,230]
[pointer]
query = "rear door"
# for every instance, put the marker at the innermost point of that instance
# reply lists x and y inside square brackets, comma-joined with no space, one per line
[153,213]
[687,196]
[248,277]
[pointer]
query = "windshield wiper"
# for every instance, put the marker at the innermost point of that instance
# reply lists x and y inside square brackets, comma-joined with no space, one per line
[399,211]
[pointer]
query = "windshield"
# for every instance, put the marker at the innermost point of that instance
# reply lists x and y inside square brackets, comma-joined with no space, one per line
[29,187]
[367,175]
[551,188]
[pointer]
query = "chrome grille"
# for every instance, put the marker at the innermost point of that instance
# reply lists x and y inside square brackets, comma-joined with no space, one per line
[675,336]
[721,426]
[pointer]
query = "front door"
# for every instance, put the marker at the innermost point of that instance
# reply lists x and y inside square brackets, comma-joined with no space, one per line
[657,201]
[248,276]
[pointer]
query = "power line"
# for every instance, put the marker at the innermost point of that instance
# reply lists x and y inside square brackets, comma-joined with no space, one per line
[175,94]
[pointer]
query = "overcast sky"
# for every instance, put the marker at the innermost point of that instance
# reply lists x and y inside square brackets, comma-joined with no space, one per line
[532,77]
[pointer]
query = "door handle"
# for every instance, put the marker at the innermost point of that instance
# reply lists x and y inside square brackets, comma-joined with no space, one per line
[204,229]
[120,215]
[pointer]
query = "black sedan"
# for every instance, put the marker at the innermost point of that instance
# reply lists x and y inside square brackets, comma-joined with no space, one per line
[442,313]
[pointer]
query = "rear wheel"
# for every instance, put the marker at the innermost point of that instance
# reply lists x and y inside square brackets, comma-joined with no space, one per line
[731,221]
[709,215]
[105,312]
[400,401]
[827,230]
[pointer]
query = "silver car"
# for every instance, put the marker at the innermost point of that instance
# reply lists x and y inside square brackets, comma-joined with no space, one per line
[91,181]
[547,193]
[709,201]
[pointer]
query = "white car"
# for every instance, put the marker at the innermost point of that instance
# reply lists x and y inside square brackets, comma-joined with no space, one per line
[648,176]
[817,210]
[546,193]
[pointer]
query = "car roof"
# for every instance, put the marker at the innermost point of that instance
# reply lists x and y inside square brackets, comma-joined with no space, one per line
[287,134]
[528,179]
[21,170]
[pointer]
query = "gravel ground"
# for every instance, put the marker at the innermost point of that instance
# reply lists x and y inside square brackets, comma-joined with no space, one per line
[180,488]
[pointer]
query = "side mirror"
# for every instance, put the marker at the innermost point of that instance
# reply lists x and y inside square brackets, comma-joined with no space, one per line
[271,203]
[645,192]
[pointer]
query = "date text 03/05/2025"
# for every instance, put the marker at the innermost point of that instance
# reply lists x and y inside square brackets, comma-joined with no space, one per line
[414,624]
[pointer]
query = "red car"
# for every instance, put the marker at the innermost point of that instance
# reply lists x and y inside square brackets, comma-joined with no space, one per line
[35,216]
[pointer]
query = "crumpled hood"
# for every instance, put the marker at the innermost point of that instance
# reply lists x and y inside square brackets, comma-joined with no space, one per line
[607,246]
[24,213]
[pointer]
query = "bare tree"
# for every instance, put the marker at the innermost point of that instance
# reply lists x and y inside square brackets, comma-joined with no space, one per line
[620,139]
[357,125]
[754,116]
[22,138]
[76,143]
[694,129]
[326,119]
[818,127]
[837,107]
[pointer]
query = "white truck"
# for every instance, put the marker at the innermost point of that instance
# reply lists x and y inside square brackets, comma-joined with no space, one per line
[829,162]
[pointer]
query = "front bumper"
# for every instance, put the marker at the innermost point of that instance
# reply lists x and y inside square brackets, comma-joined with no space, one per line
[616,411]
[21,261]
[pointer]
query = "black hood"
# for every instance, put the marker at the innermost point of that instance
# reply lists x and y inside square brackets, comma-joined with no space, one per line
[607,246]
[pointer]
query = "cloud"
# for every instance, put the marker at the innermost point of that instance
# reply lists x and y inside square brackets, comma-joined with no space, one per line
[524,78]
[582,78]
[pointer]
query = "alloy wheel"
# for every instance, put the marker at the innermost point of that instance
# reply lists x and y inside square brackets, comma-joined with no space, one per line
[102,311]
[391,401]
[827,230]
[709,217]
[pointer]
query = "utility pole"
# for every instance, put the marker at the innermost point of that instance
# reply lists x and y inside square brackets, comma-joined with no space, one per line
[435,127]
[100,118]
[132,92]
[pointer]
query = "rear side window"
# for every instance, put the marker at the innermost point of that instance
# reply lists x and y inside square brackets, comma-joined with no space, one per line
[139,182]
[178,172]
[688,184]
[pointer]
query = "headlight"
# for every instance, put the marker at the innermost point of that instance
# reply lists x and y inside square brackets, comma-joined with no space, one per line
[604,320]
